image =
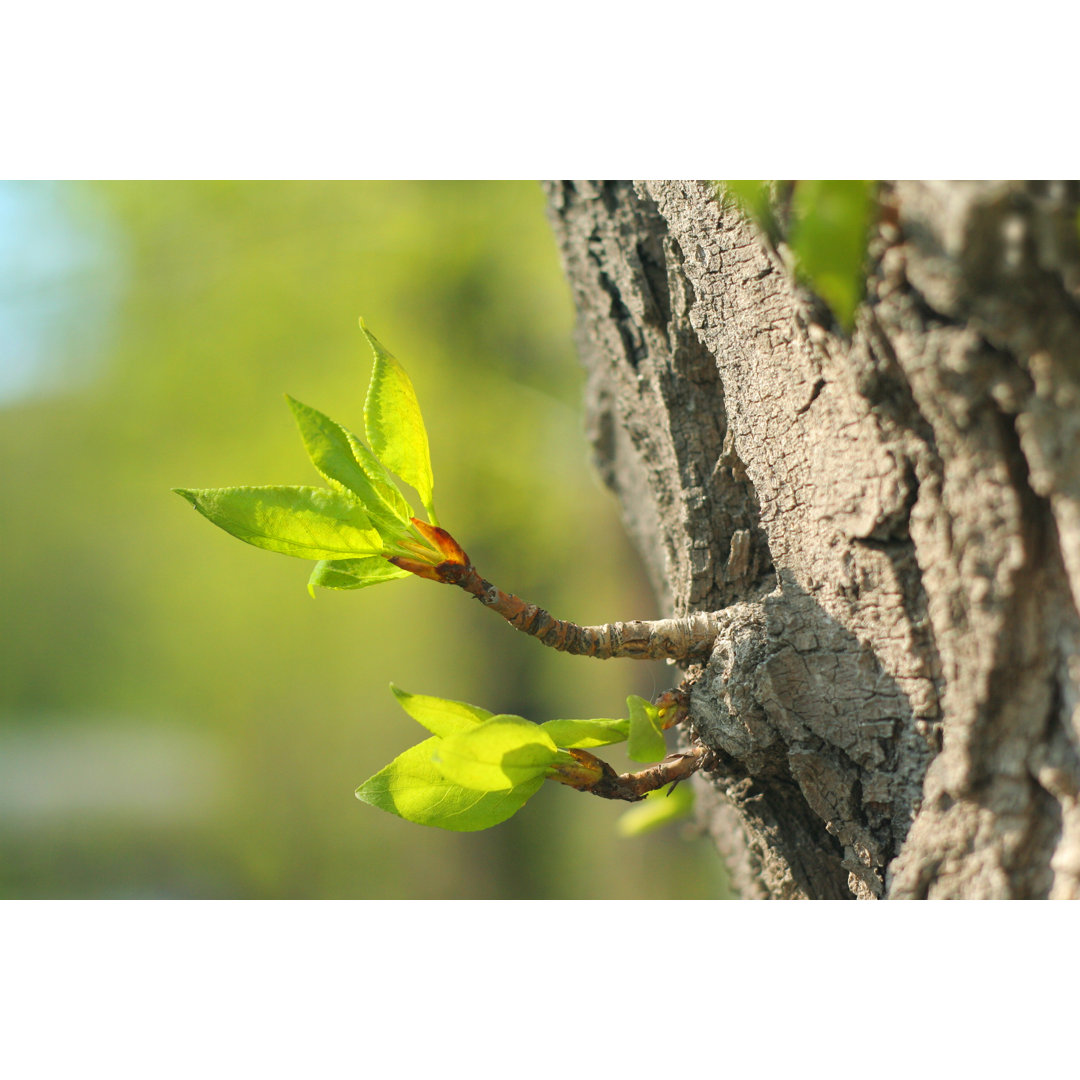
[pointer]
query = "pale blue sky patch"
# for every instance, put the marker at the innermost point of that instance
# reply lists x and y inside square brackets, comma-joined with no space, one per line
[60,277]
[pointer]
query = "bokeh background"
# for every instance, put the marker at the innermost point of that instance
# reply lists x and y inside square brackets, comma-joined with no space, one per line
[178,718]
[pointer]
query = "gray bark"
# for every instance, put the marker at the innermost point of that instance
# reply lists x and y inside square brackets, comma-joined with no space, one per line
[889,523]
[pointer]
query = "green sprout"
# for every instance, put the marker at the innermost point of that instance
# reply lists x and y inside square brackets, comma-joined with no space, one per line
[477,769]
[363,531]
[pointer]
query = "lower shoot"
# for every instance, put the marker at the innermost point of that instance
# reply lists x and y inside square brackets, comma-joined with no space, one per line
[477,768]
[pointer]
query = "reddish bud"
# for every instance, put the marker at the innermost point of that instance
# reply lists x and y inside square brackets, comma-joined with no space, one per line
[584,775]
[442,541]
[414,566]
[673,705]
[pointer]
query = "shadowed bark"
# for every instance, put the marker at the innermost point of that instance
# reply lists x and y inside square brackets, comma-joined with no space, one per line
[888,524]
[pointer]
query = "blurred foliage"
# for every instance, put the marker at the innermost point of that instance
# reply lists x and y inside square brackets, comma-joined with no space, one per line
[828,229]
[755,197]
[178,718]
[659,809]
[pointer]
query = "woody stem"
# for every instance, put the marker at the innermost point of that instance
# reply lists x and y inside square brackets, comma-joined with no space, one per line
[659,639]
[633,787]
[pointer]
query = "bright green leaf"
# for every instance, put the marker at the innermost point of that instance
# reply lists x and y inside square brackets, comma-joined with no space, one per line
[395,428]
[349,466]
[585,734]
[414,788]
[305,522]
[353,573]
[829,230]
[497,755]
[659,808]
[439,715]
[646,739]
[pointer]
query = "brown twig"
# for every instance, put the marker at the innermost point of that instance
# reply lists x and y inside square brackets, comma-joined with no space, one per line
[599,778]
[659,639]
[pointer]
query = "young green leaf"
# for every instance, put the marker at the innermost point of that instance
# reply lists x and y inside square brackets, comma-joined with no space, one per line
[350,467]
[305,522]
[646,738]
[830,226]
[353,573]
[439,715]
[414,788]
[395,429]
[497,755]
[585,734]
[659,808]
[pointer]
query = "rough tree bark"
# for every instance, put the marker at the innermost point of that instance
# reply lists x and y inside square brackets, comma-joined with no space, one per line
[889,523]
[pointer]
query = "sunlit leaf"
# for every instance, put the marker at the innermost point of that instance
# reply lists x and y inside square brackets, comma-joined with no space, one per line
[659,808]
[497,755]
[414,788]
[353,573]
[440,715]
[305,522]
[646,738]
[584,734]
[830,224]
[349,466]
[395,429]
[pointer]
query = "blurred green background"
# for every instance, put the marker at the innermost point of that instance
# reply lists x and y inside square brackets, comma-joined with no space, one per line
[178,718]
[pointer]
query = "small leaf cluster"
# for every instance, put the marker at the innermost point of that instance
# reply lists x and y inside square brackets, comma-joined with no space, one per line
[361,529]
[828,232]
[477,768]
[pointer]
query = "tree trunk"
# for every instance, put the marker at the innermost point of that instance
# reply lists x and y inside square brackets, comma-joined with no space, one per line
[889,523]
